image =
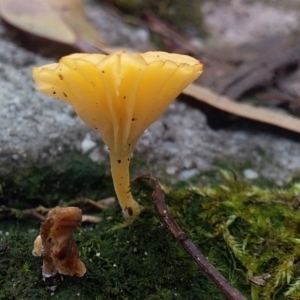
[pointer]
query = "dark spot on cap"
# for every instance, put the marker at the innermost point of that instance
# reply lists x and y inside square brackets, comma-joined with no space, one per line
[133,119]
[49,240]
[54,93]
[60,77]
[103,71]
[124,97]
[65,95]
[119,161]
[130,211]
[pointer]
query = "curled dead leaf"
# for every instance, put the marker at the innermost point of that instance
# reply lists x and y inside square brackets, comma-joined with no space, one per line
[62,21]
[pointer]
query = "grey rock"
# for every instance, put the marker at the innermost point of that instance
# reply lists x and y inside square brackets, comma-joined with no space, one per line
[236,22]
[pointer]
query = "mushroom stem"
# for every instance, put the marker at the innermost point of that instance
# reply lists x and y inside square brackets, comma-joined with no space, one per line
[120,174]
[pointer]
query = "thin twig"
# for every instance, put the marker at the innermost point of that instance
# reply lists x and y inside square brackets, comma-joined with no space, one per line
[85,200]
[40,211]
[26,212]
[160,205]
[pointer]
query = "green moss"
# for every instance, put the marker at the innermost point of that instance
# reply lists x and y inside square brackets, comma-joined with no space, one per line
[259,227]
[72,176]
[243,230]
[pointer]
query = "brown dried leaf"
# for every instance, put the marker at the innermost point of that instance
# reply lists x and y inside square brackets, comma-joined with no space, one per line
[62,21]
[243,110]
[260,279]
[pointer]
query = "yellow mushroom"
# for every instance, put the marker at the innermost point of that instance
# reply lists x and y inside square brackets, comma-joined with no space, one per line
[119,95]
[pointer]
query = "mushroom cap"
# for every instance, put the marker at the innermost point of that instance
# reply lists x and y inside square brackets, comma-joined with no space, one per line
[120,94]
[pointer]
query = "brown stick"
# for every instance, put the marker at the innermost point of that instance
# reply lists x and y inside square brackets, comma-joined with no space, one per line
[26,212]
[159,200]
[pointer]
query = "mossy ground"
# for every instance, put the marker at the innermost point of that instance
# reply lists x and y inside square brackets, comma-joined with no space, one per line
[244,231]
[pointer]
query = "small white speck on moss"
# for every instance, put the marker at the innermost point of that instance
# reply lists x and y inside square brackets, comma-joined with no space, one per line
[250,174]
